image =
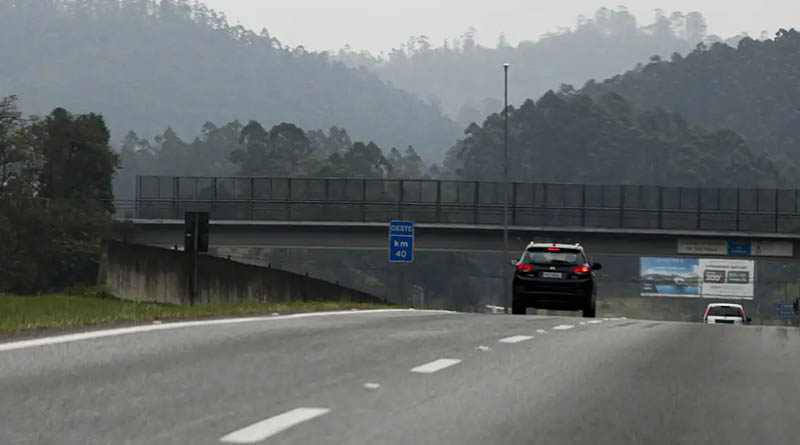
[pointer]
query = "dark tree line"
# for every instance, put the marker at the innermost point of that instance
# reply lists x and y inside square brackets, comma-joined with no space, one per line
[285,150]
[571,137]
[55,198]
[563,137]
[753,89]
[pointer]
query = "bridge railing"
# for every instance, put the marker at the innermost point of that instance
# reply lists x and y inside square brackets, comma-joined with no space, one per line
[463,202]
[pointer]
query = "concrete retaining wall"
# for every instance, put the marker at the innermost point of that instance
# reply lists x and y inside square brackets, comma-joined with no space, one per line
[141,273]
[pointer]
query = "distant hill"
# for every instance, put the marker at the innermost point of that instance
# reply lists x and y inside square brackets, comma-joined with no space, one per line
[468,78]
[573,138]
[753,89]
[145,67]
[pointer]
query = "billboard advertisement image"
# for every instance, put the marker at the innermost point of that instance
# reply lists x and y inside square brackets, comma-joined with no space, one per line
[697,278]
[670,277]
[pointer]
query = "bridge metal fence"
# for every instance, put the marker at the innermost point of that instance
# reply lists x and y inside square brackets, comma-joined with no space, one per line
[466,202]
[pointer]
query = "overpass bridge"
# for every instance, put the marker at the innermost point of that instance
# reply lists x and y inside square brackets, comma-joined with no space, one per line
[336,229]
[351,214]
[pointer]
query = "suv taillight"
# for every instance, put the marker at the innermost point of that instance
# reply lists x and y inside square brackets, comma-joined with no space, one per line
[524,268]
[582,270]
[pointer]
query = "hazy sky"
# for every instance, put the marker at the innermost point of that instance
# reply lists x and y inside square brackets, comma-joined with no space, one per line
[378,25]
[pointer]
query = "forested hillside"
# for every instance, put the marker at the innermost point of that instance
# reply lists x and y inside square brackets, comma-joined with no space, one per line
[753,89]
[144,66]
[571,137]
[468,78]
[176,66]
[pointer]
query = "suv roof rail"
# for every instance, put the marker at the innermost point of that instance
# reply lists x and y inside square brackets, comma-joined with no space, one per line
[553,243]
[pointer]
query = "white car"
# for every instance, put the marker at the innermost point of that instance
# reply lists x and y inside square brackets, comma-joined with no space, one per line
[725,313]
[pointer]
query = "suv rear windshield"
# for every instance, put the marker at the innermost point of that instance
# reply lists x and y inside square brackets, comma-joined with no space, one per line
[724,311]
[553,256]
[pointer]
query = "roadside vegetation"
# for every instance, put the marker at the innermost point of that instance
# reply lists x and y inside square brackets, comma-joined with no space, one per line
[25,313]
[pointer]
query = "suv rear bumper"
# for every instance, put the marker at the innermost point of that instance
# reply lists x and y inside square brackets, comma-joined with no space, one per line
[552,302]
[572,297]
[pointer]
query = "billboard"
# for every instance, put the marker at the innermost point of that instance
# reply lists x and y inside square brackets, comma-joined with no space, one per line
[697,278]
[727,279]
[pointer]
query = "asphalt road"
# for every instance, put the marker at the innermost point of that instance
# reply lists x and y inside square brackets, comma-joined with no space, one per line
[443,379]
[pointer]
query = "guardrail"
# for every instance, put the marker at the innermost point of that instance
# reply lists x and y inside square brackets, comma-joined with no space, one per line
[463,202]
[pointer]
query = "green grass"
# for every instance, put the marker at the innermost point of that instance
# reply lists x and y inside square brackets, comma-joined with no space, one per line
[21,313]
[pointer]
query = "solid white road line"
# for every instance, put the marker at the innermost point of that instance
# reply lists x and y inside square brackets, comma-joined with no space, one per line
[436,365]
[515,339]
[274,425]
[186,324]
[563,327]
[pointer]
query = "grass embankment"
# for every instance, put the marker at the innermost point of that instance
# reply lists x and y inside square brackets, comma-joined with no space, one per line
[21,313]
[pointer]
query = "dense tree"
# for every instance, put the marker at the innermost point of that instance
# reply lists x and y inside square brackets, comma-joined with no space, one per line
[15,154]
[407,165]
[278,152]
[335,141]
[753,90]
[47,245]
[180,62]
[573,138]
[78,164]
[55,198]
[207,155]
[360,161]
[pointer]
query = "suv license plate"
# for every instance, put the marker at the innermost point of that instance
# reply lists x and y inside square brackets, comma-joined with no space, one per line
[551,275]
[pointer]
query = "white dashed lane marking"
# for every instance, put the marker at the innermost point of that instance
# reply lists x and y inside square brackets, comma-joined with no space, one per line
[563,327]
[436,365]
[274,425]
[595,321]
[515,339]
[541,331]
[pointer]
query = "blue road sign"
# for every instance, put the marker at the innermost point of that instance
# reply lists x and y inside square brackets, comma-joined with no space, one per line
[401,242]
[786,310]
[738,248]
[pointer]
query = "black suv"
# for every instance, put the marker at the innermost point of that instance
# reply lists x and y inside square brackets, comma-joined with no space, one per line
[555,277]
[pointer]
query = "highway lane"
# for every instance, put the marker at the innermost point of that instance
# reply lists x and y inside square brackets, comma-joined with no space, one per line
[430,378]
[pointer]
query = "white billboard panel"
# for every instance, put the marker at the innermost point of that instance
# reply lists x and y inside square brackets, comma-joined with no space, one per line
[702,246]
[773,248]
[727,279]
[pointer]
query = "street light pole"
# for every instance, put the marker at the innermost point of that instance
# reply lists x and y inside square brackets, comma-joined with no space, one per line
[506,270]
